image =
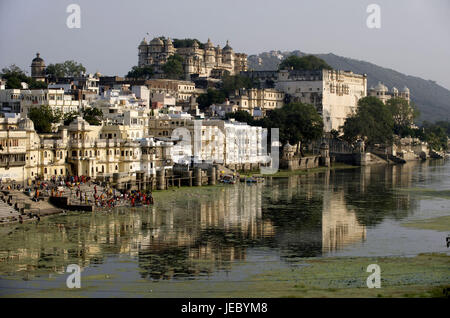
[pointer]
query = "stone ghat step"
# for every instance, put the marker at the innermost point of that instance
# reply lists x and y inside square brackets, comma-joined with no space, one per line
[6,210]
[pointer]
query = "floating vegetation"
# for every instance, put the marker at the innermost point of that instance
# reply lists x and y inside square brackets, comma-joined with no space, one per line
[441,223]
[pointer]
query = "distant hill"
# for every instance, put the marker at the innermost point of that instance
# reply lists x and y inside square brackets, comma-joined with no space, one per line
[432,99]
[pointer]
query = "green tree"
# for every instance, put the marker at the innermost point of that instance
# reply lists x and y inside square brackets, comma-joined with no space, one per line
[144,72]
[93,116]
[69,117]
[14,76]
[55,70]
[436,134]
[297,122]
[74,68]
[308,62]
[403,114]
[174,67]
[65,69]
[373,122]
[241,116]
[178,43]
[212,96]
[230,83]
[33,84]
[445,125]
[43,117]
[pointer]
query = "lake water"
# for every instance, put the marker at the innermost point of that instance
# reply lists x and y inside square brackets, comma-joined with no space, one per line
[229,232]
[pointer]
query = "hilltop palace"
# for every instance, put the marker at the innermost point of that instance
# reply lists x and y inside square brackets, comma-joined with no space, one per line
[209,61]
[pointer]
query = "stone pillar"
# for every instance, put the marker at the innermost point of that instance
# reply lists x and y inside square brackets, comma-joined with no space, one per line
[217,172]
[362,159]
[160,179]
[324,155]
[197,177]
[212,175]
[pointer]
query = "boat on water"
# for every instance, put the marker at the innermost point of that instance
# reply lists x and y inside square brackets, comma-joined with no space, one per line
[228,179]
[254,179]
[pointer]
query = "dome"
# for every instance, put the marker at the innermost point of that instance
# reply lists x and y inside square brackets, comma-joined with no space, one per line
[26,124]
[394,89]
[381,87]
[288,147]
[157,41]
[227,47]
[405,89]
[144,42]
[38,59]
[209,45]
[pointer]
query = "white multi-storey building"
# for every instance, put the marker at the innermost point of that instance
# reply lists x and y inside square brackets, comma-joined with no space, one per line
[334,93]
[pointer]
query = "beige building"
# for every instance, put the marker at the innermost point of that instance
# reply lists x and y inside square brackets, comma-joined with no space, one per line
[25,155]
[78,149]
[180,90]
[257,101]
[204,62]
[381,92]
[55,98]
[102,151]
[334,93]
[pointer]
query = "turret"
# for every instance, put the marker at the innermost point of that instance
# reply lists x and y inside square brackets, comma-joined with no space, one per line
[168,46]
[143,49]
[228,56]
[38,68]
[218,55]
[210,54]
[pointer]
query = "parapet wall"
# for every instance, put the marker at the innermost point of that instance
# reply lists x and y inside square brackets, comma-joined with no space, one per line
[302,163]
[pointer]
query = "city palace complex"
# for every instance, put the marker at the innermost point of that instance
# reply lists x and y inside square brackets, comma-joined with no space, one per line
[155,124]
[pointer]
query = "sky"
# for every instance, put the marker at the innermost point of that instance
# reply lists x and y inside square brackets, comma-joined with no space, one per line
[413,38]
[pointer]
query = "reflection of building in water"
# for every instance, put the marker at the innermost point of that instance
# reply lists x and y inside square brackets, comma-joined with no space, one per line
[311,216]
[340,226]
[194,234]
[203,230]
[215,230]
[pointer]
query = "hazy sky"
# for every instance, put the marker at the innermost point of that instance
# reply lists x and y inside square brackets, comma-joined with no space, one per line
[414,37]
